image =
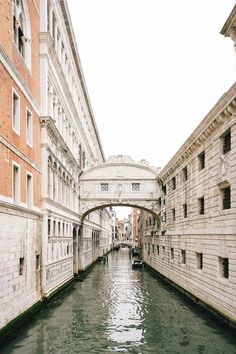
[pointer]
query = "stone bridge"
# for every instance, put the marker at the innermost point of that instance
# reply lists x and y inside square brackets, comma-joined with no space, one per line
[120,181]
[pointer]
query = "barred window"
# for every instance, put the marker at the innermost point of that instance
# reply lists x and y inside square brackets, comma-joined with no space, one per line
[201,203]
[185,173]
[174,183]
[173,214]
[104,187]
[164,189]
[201,160]
[224,267]
[185,210]
[226,141]
[183,256]
[199,258]
[226,194]
[136,187]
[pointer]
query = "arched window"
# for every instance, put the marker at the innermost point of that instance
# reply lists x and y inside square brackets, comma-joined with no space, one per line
[21,30]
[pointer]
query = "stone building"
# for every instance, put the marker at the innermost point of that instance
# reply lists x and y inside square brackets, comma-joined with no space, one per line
[48,137]
[194,243]
[70,143]
[20,159]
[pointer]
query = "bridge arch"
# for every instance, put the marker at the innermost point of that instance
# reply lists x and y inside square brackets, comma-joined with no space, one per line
[120,181]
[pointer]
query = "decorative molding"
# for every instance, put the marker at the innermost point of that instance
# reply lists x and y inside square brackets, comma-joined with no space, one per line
[219,115]
[19,154]
[12,71]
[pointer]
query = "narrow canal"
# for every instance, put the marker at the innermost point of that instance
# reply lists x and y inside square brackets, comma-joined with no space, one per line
[117,309]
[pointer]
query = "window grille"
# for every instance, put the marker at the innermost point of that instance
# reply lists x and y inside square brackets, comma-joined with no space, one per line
[199,260]
[226,142]
[185,210]
[173,214]
[164,189]
[185,173]
[226,198]
[201,160]
[174,183]
[183,256]
[136,187]
[104,187]
[21,265]
[201,206]
[224,267]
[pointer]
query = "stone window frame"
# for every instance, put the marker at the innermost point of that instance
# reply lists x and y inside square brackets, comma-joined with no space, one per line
[29,190]
[29,128]
[183,256]
[16,189]
[201,205]
[223,267]
[226,142]
[202,160]
[136,186]
[225,203]
[21,31]
[16,112]
[199,260]
[104,187]
[185,173]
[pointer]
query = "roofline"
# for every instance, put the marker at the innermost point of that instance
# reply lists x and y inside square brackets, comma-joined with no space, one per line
[71,36]
[229,22]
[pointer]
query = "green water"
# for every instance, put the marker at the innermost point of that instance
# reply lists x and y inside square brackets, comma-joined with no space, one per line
[115,309]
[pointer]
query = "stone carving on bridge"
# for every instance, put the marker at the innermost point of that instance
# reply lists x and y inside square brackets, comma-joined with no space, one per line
[119,181]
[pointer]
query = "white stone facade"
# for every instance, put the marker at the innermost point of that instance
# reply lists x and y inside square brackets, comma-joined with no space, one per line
[194,246]
[69,144]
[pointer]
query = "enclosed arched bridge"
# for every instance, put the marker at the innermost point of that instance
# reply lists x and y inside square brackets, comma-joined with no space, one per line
[119,181]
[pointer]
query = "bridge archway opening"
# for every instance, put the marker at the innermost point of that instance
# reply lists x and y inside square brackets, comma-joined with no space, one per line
[128,205]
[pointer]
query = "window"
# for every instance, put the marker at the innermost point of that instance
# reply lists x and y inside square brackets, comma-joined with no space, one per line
[183,256]
[163,251]
[19,26]
[173,214]
[16,112]
[201,161]
[21,30]
[16,183]
[201,203]
[29,188]
[199,259]
[224,267]
[226,198]
[104,187]
[136,187]
[172,253]
[185,173]
[159,201]
[29,125]
[37,262]
[164,189]
[49,227]
[153,248]
[158,249]
[164,217]
[185,210]
[21,265]
[173,183]
[226,142]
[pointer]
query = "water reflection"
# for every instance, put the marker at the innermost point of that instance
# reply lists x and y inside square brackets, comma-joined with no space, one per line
[116,309]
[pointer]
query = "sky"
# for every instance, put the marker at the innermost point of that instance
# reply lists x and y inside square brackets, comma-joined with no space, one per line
[153,70]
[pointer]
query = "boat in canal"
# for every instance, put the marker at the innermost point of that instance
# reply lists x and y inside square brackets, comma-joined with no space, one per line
[137,264]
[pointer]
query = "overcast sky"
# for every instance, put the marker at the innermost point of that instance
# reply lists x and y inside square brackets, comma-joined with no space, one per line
[153,70]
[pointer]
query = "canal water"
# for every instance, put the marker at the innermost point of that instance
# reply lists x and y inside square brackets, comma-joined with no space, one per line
[117,309]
